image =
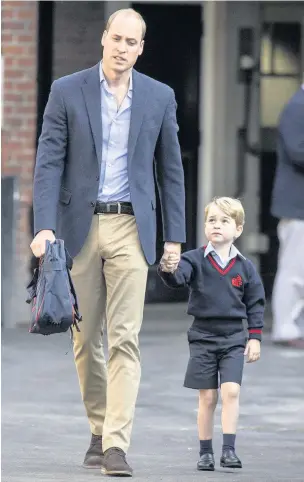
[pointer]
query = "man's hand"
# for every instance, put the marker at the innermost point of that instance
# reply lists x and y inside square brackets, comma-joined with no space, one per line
[39,241]
[171,257]
[253,350]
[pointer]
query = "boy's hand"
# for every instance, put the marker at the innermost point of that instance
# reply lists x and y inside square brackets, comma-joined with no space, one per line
[253,350]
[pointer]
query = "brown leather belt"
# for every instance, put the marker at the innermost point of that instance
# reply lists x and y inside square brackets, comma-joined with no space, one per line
[113,208]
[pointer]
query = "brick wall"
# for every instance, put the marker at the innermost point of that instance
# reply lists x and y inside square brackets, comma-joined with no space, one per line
[19,45]
[77,33]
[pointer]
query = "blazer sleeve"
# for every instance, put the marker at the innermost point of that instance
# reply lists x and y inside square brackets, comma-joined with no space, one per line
[170,176]
[50,160]
[291,129]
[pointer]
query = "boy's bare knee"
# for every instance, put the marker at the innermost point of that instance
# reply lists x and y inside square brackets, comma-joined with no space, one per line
[208,398]
[230,391]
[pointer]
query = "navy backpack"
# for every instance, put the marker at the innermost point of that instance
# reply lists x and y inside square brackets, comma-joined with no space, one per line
[52,293]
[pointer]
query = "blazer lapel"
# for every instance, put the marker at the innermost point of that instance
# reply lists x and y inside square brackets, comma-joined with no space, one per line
[92,96]
[139,98]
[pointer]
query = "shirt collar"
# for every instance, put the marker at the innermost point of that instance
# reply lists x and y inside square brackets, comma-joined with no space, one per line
[233,251]
[103,79]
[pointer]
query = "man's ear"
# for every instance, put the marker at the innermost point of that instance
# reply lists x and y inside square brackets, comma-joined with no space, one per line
[142,44]
[103,37]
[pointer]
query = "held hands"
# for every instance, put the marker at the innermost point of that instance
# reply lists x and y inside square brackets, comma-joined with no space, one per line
[38,244]
[253,350]
[171,257]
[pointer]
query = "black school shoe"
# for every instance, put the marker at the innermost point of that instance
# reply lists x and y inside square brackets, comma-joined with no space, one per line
[230,460]
[115,463]
[94,457]
[206,462]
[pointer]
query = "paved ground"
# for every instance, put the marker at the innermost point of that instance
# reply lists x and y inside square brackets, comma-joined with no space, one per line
[45,433]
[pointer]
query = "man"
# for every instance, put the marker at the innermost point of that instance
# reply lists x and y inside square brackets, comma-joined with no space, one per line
[288,206]
[94,187]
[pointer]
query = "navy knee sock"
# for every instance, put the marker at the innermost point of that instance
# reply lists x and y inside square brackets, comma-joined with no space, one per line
[228,441]
[206,447]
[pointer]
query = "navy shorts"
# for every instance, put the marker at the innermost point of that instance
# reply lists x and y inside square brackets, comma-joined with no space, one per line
[216,348]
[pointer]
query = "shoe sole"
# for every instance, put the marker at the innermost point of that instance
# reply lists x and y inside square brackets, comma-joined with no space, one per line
[231,466]
[206,469]
[116,473]
[91,466]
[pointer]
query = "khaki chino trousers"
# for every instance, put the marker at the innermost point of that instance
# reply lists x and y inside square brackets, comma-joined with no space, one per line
[110,275]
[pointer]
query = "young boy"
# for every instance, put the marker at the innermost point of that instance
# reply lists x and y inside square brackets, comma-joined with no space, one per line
[225,288]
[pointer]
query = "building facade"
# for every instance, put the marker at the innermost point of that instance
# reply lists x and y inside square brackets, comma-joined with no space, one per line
[232,65]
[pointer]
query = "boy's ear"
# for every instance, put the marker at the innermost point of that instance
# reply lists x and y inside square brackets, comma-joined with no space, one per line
[239,230]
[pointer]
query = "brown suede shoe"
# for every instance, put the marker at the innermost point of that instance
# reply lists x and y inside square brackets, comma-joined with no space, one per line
[94,456]
[115,463]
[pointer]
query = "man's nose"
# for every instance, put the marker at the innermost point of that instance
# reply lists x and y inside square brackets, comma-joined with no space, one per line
[122,47]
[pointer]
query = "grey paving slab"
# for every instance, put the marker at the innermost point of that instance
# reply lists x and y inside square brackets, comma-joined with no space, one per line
[45,432]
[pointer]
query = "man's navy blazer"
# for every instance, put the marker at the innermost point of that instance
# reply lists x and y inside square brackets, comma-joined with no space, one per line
[69,156]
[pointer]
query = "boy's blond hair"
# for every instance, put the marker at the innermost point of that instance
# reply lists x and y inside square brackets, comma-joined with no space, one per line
[230,206]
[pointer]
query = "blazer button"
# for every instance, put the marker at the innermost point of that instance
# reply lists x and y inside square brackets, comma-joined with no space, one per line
[97,178]
[92,204]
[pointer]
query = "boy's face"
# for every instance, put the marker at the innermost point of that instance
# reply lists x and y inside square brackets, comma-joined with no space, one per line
[220,228]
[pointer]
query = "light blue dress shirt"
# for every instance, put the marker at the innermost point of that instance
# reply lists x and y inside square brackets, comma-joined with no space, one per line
[114,183]
[233,253]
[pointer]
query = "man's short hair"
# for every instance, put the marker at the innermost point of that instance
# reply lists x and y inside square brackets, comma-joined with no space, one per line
[230,206]
[127,11]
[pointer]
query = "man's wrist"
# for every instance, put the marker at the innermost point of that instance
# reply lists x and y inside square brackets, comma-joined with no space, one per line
[172,244]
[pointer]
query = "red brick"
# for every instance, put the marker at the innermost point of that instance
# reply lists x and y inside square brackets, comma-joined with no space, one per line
[8,62]
[10,170]
[25,85]
[30,50]
[12,97]
[14,73]
[12,25]
[24,14]
[6,13]
[29,97]
[25,38]
[6,37]
[8,109]
[12,4]
[7,85]
[10,49]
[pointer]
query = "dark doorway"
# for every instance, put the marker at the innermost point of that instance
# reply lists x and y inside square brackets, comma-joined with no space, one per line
[268,224]
[172,56]
[44,58]
[44,81]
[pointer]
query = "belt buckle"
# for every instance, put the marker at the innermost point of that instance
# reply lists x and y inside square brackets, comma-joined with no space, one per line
[114,204]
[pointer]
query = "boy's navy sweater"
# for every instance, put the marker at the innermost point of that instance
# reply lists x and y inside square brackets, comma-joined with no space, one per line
[235,292]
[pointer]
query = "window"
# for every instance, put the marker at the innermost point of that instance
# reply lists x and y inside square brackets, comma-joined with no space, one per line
[280,68]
